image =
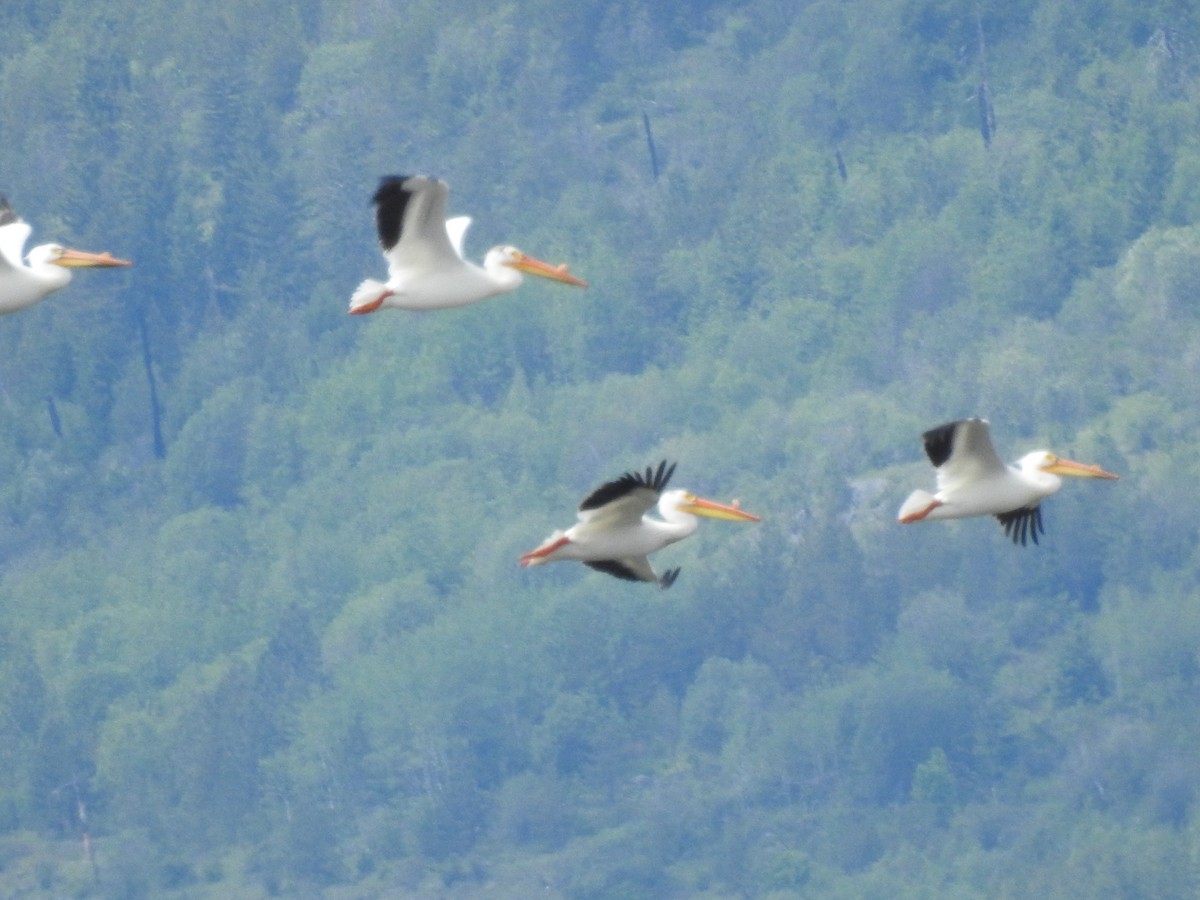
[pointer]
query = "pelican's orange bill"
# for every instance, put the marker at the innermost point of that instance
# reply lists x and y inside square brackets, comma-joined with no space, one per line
[1079,470]
[733,512]
[544,270]
[73,259]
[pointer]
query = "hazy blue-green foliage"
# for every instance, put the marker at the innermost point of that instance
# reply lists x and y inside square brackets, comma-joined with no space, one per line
[295,656]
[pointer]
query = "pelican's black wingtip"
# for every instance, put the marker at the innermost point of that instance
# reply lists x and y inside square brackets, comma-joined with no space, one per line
[1022,524]
[391,199]
[614,567]
[939,442]
[661,477]
[654,479]
[389,185]
[8,215]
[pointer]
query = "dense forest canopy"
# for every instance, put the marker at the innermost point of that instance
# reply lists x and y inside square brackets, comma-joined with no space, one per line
[262,628]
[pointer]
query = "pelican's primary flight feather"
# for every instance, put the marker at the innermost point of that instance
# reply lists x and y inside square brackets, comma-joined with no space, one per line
[423,249]
[45,269]
[614,534]
[972,480]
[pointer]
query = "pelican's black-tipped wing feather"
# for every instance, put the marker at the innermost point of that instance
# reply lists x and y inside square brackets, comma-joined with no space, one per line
[960,438]
[1022,523]
[8,216]
[391,200]
[410,215]
[14,232]
[613,567]
[653,479]
[962,452]
[939,443]
[633,570]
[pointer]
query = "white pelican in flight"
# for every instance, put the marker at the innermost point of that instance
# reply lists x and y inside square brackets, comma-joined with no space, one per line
[614,536]
[426,269]
[973,481]
[49,265]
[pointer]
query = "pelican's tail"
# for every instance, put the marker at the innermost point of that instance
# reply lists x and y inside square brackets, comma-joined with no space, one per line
[918,505]
[544,553]
[368,297]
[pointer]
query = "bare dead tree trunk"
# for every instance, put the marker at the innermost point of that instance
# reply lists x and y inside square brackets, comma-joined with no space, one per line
[55,421]
[160,447]
[650,146]
[987,114]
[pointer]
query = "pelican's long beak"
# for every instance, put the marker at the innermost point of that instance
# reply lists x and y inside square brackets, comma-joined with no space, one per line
[73,259]
[698,506]
[1062,466]
[544,270]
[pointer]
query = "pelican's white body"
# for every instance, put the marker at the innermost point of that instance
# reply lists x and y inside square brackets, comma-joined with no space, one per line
[987,492]
[621,531]
[22,285]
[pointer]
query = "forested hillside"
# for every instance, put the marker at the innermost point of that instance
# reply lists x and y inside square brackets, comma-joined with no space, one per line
[281,646]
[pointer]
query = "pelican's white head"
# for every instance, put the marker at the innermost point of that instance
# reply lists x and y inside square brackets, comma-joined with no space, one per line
[672,503]
[1045,468]
[42,268]
[507,256]
[1036,461]
[1052,463]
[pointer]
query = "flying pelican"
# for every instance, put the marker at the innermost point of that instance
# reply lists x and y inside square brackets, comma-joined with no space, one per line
[426,269]
[49,265]
[973,481]
[614,536]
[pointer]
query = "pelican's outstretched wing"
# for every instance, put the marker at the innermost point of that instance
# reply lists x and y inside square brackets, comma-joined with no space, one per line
[962,453]
[410,216]
[13,234]
[634,569]
[623,501]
